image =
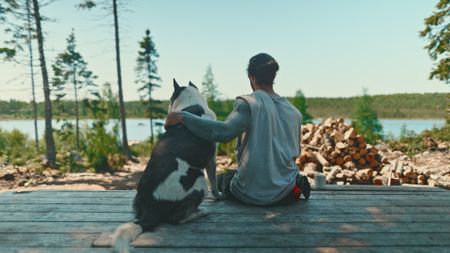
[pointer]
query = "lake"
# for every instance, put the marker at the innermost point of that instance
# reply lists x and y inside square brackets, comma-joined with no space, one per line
[139,129]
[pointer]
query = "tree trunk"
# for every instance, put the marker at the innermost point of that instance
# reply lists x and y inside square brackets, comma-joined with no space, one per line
[30,49]
[50,143]
[151,117]
[77,116]
[126,149]
[148,59]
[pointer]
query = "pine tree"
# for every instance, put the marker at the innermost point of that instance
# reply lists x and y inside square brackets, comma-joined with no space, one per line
[209,86]
[211,92]
[147,75]
[71,68]
[299,102]
[365,119]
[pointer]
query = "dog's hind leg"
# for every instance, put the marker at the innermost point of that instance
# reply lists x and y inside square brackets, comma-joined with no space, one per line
[149,220]
[188,207]
[199,212]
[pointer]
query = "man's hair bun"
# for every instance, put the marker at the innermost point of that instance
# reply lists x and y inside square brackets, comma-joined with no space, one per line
[263,67]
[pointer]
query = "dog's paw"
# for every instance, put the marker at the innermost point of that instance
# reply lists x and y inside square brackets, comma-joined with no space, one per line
[218,195]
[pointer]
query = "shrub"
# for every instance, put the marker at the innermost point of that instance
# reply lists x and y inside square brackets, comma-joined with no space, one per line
[411,143]
[16,147]
[102,148]
[228,149]
[142,149]
[365,119]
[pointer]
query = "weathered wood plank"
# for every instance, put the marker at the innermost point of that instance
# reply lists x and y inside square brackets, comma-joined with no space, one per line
[228,218]
[428,249]
[325,198]
[232,228]
[372,190]
[58,227]
[47,240]
[161,239]
[353,219]
[355,202]
[232,208]
[131,194]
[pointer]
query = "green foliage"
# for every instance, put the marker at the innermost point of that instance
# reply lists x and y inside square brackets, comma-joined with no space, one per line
[228,149]
[147,76]
[86,4]
[416,105]
[211,92]
[437,31]
[439,134]
[15,147]
[299,101]
[401,106]
[71,68]
[8,53]
[365,119]
[103,149]
[209,87]
[67,158]
[99,148]
[411,143]
[142,149]
[8,9]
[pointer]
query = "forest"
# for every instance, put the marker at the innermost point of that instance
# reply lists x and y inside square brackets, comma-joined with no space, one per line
[398,106]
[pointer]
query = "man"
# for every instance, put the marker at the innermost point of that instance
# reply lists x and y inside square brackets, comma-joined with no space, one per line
[268,130]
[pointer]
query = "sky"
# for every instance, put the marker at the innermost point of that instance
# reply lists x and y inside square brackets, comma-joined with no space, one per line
[324,48]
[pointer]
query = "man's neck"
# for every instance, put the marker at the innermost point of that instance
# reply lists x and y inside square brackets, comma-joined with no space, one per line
[267,89]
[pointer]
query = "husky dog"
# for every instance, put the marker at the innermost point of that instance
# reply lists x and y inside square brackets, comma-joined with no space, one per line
[173,184]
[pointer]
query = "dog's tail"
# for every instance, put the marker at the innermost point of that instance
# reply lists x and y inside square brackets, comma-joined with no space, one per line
[125,234]
[128,232]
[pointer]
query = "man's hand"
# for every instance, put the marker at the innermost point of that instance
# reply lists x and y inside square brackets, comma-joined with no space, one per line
[172,119]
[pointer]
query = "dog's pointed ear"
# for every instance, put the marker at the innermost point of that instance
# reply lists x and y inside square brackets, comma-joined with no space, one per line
[176,86]
[193,85]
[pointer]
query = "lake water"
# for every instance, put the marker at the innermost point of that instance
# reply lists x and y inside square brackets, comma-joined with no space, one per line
[139,129]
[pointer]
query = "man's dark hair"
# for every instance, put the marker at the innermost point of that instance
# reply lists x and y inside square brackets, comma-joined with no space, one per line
[263,67]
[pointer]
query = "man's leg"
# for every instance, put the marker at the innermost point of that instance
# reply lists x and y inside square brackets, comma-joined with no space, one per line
[224,181]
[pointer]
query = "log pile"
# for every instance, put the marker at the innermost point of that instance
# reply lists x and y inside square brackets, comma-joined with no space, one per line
[336,150]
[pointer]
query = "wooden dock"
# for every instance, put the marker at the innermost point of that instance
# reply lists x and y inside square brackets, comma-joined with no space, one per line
[337,219]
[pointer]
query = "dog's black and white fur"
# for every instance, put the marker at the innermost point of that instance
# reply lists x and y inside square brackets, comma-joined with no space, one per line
[173,184]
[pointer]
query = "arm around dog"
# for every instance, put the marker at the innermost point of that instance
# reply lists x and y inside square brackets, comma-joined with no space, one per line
[218,131]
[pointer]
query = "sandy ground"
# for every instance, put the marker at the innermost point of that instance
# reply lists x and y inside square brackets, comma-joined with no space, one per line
[123,180]
[126,179]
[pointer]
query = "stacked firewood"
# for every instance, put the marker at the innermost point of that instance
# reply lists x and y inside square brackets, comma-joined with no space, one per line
[336,150]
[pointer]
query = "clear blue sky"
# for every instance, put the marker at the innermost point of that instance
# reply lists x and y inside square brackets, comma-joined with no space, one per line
[325,48]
